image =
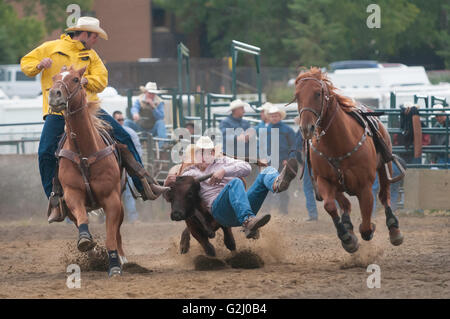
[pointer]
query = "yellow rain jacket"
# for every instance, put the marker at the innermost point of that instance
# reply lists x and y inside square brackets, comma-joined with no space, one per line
[68,52]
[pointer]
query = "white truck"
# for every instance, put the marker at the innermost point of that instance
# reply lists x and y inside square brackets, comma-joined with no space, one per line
[373,86]
[14,83]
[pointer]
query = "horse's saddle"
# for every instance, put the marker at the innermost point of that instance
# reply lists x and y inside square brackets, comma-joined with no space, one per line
[370,122]
[84,163]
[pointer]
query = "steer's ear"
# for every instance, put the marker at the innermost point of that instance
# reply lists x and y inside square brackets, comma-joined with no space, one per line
[203,178]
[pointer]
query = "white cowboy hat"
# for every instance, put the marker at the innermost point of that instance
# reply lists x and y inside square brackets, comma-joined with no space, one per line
[237,104]
[89,24]
[151,87]
[265,107]
[204,143]
[275,109]
[439,107]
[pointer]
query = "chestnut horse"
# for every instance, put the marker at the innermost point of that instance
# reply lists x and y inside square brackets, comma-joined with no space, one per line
[343,157]
[86,147]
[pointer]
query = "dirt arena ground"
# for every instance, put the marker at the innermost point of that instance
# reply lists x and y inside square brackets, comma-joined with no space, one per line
[302,260]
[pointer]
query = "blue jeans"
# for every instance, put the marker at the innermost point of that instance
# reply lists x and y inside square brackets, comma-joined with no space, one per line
[158,130]
[394,191]
[308,189]
[51,133]
[234,205]
[129,202]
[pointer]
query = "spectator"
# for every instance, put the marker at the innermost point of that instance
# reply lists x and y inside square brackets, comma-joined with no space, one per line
[264,118]
[286,146]
[235,121]
[441,139]
[148,113]
[128,199]
[308,189]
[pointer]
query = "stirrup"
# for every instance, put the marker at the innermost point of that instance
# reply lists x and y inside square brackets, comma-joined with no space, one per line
[56,202]
[400,176]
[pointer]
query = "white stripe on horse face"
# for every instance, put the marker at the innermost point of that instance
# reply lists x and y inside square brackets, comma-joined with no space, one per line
[64,74]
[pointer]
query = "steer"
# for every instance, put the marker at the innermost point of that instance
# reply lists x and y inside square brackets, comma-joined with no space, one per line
[187,205]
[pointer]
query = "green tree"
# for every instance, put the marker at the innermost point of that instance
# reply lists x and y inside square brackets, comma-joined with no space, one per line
[326,30]
[305,32]
[257,22]
[17,36]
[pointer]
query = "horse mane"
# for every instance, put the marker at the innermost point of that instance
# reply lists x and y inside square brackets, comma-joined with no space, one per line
[94,110]
[346,103]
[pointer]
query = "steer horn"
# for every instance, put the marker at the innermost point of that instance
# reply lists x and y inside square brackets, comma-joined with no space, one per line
[203,178]
[158,189]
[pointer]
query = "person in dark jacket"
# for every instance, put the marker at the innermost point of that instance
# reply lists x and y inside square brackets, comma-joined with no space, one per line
[232,139]
[286,146]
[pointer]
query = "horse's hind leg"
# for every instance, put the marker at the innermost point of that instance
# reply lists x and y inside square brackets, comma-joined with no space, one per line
[328,192]
[75,202]
[392,223]
[113,208]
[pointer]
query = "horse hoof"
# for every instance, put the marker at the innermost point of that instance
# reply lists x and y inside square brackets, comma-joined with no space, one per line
[352,246]
[367,235]
[85,244]
[395,236]
[115,271]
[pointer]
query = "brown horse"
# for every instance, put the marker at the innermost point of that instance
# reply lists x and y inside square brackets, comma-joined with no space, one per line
[344,157]
[86,148]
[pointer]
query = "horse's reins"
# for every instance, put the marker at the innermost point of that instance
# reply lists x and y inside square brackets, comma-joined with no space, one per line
[82,162]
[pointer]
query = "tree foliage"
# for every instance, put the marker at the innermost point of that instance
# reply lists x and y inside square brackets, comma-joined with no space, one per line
[16,35]
[305,32]
[20,35]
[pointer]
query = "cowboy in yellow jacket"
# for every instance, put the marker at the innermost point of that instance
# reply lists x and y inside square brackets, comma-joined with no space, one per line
[70,50]
[65,52]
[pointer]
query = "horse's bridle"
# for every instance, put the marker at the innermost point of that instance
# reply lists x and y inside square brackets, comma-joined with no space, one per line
[70,95]
[325,99]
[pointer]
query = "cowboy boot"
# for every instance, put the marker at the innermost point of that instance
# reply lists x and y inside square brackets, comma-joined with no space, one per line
[56,211]
[286,176]
[251,225]
[151,188]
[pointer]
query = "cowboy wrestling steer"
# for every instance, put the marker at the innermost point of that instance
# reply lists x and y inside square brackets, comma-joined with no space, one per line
[186,205]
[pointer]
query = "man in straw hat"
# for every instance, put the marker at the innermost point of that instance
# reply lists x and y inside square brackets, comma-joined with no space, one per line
[264,117]
[442,121]
[286,145]
[232,122]
[224,192]
[148,112]
[72,49]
